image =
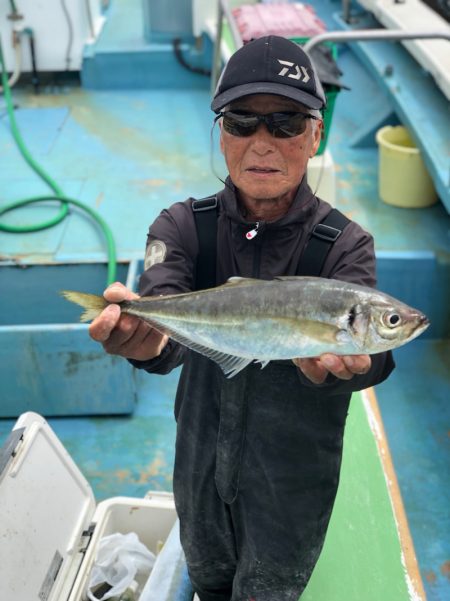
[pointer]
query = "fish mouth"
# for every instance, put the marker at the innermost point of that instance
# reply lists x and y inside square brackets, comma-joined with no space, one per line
[422,324]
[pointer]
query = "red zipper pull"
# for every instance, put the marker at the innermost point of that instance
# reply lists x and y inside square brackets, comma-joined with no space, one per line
[252,233]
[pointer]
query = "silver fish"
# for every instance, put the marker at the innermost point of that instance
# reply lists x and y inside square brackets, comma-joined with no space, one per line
[288,317]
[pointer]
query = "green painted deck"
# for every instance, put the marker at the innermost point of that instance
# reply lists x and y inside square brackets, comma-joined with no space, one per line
[363,558]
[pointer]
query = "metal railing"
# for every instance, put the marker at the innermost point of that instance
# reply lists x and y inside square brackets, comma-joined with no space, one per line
[362,35]
[223,11]
[368,35]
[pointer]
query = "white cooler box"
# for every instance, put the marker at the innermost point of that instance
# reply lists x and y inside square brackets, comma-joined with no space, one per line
[50,525]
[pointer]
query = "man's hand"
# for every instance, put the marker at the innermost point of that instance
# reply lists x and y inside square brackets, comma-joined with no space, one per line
[122,334]
[344,367]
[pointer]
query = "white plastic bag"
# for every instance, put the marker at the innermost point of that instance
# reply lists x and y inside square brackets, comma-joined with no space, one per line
[119,558]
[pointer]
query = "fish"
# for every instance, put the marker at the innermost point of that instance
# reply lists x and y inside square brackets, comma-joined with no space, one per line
[249,320]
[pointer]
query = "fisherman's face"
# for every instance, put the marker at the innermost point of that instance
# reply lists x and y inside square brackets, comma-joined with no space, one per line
[262,166]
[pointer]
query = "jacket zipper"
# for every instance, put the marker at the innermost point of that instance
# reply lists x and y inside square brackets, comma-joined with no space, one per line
[257,230]
[256,269]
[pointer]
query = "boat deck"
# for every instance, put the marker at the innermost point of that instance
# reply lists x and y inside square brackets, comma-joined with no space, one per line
[128,153]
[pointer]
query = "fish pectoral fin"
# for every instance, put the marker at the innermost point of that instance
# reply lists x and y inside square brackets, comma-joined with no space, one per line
[343,337]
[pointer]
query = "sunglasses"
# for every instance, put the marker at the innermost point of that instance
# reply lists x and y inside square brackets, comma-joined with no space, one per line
[280,125]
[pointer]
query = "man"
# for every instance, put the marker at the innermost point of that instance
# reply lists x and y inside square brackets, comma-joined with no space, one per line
[258,455]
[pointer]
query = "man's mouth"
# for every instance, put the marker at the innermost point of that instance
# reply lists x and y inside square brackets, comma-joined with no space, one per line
[256,169]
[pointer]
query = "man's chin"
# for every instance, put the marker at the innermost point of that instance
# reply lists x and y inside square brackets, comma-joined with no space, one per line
[264,192]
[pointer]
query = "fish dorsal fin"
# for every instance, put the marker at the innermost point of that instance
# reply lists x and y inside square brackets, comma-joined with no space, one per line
[295,278]
[238,281]
[230,364]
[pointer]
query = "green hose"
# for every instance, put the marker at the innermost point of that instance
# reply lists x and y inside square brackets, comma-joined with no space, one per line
[58,193]
[13,6]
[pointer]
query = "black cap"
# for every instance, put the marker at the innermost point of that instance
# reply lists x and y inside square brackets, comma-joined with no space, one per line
[270,65]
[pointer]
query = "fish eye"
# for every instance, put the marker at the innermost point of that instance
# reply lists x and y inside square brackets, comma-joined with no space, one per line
[392,319]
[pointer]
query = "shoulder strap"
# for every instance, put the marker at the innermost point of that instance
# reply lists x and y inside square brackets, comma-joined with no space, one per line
[323,236]
[205,215]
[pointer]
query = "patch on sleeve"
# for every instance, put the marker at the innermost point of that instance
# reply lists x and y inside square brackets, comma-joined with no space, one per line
[156,253]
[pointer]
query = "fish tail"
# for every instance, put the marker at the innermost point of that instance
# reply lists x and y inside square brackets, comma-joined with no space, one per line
[91,303]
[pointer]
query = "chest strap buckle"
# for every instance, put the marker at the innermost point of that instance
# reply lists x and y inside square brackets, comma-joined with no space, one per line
[326,232]
[204,204]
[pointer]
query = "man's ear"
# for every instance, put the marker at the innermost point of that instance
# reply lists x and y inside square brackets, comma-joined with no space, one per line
[317,138]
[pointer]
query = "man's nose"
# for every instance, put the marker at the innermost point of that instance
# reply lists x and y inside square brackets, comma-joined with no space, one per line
[262,139]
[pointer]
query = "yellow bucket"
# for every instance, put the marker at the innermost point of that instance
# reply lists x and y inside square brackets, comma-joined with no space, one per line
[403,180]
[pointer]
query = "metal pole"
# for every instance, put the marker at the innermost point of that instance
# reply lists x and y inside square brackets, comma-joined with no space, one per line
[232,23]
[367,35]
[223,10]
[216,57]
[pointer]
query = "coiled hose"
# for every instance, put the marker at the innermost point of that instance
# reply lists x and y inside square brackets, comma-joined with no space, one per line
[58,195]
